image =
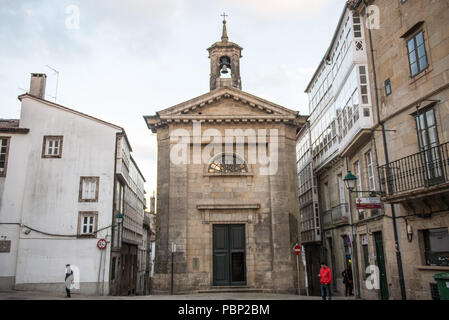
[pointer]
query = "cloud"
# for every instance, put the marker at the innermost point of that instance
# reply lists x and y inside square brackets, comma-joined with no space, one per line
[275,9]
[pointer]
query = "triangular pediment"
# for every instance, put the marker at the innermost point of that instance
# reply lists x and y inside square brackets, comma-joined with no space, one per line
[226,102]
[225,105]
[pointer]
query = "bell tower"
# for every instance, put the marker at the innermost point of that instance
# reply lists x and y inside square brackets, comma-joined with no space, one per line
[225,62]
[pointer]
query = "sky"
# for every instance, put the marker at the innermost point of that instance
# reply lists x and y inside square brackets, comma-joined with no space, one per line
[121,59]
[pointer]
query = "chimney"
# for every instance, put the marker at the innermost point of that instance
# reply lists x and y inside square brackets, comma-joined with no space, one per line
[37,85]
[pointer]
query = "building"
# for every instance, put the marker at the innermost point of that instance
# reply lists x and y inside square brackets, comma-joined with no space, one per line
[409,73]
[225,219]
[339,139]
[128,252]
[64,177]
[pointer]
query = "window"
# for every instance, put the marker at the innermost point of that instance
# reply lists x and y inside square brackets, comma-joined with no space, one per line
[119,197]
[89,189]
[417,54]
[359,178]
[363,84]
[436,247]
[52,147]
[370,169]
[387,87]
[357,25]
[87,223]
[428,143]
[227,163]
[4,149]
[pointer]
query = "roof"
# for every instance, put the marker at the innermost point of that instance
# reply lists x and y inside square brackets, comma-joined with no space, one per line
[225,41]
[11,126]
[329,50]
[9,123]
[55,105]
[354,3]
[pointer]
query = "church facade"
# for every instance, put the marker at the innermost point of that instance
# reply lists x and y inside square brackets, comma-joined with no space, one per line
[227,188]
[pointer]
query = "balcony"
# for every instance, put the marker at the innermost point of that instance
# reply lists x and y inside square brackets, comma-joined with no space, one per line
[337,215]
[418,176]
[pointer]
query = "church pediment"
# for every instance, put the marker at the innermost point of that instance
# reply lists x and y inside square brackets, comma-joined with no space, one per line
[225,105]
[227,102]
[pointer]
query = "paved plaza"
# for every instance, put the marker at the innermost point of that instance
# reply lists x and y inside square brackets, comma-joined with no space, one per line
[36,295]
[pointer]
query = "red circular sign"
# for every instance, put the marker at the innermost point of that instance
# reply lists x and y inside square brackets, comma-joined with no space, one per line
[101,244]
[297,249]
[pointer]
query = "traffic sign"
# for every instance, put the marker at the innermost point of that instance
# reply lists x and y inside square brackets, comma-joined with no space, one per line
[297,249]
[101,244]
[368,203]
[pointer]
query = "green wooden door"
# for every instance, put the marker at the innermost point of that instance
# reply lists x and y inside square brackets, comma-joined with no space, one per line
[380,260]
[229,254]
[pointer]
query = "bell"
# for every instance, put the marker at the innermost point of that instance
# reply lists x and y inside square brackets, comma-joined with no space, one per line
[224,69]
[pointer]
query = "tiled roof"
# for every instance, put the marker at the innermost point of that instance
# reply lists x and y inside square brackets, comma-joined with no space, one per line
[9,123]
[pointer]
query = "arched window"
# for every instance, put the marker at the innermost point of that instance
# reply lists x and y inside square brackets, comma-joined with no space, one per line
[227,163]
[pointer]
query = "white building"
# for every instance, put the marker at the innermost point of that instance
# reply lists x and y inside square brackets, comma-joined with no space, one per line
[340,121]
[59,194]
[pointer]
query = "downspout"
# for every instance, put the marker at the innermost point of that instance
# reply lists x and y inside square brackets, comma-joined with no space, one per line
[387,160]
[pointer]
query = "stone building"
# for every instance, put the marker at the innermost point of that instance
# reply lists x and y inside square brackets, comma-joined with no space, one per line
[338,139]
[63,179]
[409,73]
[233,220]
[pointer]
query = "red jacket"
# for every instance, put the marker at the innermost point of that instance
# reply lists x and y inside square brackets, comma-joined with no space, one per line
[325,275]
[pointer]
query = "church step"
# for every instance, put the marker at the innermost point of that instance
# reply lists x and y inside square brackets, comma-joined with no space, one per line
[224,289]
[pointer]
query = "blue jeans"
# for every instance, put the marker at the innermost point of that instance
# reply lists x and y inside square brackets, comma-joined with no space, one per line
[326,290]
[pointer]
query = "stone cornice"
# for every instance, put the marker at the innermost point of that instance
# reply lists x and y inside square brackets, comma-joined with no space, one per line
[230,206]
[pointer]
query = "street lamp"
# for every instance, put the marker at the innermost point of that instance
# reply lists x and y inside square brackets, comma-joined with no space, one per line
[119,218]
[350,181]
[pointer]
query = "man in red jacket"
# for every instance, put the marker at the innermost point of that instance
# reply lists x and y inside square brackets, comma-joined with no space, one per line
[325,280]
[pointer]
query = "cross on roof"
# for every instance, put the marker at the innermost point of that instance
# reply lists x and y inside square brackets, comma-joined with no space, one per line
[224,15]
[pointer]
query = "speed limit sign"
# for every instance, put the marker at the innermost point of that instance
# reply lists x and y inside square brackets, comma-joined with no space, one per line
[101,244]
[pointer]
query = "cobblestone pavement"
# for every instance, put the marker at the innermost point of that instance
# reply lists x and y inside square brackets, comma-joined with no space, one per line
[35,295]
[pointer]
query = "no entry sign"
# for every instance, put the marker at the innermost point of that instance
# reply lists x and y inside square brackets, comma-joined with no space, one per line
[101,244]
[297,249]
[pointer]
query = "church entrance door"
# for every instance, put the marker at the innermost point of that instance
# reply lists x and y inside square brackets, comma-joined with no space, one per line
[229,265]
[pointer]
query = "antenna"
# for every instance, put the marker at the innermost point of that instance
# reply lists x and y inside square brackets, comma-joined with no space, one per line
[57,80]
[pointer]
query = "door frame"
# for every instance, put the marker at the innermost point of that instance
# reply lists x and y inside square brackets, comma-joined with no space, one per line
[383,282]
[230,283]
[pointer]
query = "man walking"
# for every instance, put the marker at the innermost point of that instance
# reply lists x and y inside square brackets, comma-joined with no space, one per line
[325,280]
[68,279]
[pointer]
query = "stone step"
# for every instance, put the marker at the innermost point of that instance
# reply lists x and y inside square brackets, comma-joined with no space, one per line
[224,289]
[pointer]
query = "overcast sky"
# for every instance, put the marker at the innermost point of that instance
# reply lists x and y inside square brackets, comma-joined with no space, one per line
[135,57]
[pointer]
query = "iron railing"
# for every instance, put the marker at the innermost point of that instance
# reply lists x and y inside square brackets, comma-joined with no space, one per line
[420,170]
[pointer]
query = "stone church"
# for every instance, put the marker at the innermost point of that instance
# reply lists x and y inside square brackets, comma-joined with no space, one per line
[226,219]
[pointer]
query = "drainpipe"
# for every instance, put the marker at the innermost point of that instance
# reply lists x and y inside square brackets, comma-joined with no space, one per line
[387,160]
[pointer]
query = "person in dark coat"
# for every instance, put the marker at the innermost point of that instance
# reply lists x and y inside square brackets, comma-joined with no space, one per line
[68,279]
[347,280]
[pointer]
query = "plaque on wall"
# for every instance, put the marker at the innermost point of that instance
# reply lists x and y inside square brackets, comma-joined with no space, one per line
[5,245]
